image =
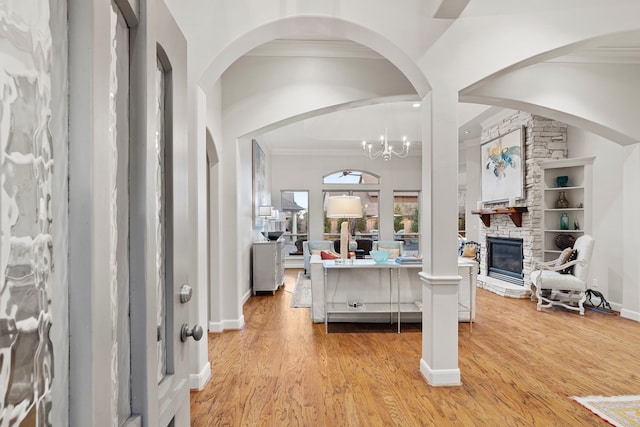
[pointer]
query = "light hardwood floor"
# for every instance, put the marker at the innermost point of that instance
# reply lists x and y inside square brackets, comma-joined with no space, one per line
[519,367]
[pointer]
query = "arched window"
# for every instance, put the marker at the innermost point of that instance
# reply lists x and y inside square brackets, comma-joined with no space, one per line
[349,177]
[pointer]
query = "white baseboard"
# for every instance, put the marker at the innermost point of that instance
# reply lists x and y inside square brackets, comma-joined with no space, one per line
[440,377]
[226,324]
[215,327]
[628,314]
[246,297]
[198,381]
[294,261]
[616,307]
[233,324]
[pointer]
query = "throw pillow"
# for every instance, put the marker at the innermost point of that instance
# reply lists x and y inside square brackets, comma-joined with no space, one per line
[564,258]
[329,255]
[469,251]
[394,253]
[573,256]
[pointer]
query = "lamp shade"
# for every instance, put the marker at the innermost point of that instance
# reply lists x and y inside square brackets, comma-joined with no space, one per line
[264,211]
[344,207]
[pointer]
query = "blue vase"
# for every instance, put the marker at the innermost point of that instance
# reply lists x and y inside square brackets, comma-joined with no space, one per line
[564,221]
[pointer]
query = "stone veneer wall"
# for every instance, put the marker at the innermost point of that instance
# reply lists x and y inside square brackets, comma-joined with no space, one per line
[544,139]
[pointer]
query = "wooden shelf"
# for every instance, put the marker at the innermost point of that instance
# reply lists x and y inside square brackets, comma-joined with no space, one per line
[515,213]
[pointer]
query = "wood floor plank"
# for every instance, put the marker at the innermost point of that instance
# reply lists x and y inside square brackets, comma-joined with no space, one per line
[519,367]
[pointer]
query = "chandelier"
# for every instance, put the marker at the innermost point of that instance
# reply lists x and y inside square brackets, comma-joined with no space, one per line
[386,150]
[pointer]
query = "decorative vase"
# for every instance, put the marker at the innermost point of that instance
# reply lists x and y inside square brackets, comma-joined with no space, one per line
[562,202]
[564,221]
[562,181]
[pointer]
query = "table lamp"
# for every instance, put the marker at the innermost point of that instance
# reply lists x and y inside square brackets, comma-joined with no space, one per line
[344,207]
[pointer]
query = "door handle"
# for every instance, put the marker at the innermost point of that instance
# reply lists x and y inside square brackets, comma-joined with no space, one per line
[195,332]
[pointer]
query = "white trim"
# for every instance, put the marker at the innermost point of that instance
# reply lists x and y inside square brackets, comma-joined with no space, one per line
[294,262]
[198,381]
[441,377]
[233,324]
[226,325]
[616,306]
[245,297]
[133,421]
[215,327]
[629,314]
[428,279]
[338,48]
[565,163]
[602,55]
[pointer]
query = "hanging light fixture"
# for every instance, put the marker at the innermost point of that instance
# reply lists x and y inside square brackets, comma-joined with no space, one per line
[386,150]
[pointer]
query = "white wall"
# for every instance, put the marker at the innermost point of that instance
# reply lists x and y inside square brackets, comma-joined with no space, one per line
[302,172]
[607,219]
[631,233]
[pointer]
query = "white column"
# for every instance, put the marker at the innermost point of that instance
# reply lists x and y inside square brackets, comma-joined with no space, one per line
[439,363]
[631,235]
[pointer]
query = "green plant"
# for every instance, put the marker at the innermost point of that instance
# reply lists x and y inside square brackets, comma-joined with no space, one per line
[415,221]
[398,223]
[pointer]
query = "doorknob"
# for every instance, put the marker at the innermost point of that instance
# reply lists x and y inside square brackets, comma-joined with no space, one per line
[195,332]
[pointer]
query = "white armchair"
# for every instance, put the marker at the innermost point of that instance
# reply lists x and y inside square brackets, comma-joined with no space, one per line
[553,287]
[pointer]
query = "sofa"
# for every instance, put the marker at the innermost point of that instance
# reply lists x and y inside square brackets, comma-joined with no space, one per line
[309,246]
[364,245]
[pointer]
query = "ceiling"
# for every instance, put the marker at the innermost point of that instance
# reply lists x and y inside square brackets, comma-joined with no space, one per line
[345,130]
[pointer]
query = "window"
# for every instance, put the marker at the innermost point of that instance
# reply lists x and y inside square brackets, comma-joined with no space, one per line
[406,219]
[295,207]
[350,177]
[365,227]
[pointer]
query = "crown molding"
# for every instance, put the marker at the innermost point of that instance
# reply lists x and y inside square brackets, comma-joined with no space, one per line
[350,151]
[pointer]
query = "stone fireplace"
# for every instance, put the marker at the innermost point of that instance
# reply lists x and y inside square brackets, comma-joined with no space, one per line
[544,139]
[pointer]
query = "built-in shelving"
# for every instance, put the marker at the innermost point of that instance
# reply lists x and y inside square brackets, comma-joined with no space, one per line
[578,194]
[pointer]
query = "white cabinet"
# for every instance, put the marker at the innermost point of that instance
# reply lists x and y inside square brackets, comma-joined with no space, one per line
[577,192]
[268,266]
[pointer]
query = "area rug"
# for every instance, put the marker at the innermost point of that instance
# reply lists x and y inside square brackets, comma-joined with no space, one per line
[621,411]
[302,294]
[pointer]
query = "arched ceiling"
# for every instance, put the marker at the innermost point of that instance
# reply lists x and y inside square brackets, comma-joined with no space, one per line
[415,39]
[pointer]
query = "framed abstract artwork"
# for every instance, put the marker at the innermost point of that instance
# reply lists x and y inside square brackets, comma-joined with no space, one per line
[502,167]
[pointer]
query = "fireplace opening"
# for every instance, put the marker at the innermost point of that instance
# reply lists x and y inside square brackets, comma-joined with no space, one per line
[504,259]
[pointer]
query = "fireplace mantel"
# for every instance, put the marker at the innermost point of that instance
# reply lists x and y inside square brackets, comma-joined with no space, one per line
[515,213]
